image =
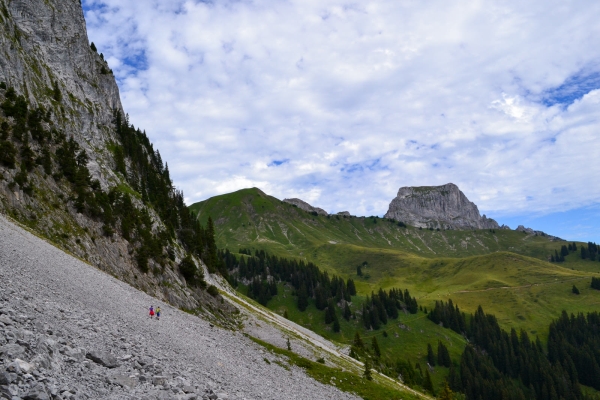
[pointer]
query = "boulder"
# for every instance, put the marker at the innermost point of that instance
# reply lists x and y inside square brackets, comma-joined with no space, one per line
[12,350]
[103,358]
[37,392]
[123,381]
[24,366]
[159,380]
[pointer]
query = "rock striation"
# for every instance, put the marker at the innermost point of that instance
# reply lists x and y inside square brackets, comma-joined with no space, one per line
[443,207]
[301,204]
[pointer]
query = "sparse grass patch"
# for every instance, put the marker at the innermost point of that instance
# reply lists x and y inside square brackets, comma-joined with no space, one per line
[344,380]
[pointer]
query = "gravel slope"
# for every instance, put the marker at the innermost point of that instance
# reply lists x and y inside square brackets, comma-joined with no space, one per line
[65,318]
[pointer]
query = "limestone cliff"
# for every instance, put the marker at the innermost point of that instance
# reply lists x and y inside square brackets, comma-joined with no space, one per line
[444,207]
[44,47]
[69,92]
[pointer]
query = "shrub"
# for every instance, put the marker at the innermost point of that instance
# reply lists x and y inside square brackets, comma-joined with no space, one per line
[212,290]
[7,154]
[188,269]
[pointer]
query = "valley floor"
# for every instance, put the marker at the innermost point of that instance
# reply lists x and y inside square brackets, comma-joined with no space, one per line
[55,311]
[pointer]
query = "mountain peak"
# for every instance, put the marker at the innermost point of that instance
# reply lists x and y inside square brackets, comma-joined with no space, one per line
[443,206]
[301,204]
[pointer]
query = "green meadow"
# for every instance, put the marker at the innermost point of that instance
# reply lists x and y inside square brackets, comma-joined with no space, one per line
[507,272]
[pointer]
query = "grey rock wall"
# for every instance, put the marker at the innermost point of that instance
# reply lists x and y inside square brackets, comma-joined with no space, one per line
[43,45]
[301,204]
[444,207]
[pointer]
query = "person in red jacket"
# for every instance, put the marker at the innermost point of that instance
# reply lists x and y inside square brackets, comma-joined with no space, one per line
[151,312]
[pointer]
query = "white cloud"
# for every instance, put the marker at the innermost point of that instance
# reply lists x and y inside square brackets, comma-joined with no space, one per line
[360,100]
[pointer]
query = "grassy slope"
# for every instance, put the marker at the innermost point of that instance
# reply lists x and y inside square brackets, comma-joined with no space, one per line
[506,271]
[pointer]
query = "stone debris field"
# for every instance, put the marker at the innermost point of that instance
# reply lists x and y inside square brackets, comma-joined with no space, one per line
[70,331]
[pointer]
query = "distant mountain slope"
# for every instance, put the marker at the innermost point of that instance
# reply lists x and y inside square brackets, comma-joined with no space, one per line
[470,266]
[249,217]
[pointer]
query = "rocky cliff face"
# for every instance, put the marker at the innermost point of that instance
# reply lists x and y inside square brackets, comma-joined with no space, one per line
[43,47]
[45,56]
[301,204]
[444,207]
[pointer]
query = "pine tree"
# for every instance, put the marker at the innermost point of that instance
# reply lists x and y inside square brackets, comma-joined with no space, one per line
[336,325]
[330,312]
[430,355]
[575,290]
[302,298]
[375,347]
[347,312]
[443,356]
[367,373]
[446,392]
[357,342]
[351,287]
[427,383]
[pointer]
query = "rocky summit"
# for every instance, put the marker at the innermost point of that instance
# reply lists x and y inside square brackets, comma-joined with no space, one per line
[301,204]
[443,207]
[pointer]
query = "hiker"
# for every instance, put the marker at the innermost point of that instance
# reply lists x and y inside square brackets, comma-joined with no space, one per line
[157,313]
[151,312]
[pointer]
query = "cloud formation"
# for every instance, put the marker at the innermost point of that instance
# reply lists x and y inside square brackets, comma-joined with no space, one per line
[343,103]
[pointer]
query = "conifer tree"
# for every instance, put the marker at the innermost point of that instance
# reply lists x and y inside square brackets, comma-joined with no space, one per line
[375,347]
[330,312]
[336,325]
[446,392]
[357,342]
[427,383]
[351,287]
[443,356]
[430,355]
[302,298]
[367,373]
[347,312]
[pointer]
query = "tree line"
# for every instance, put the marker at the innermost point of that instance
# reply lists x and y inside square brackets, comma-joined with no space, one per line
[497,364]
[261,272]
[590,252]
[382,305]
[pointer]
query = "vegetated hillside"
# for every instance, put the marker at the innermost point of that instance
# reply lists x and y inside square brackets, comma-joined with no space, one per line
[251,217]
[505,271]
[75,170]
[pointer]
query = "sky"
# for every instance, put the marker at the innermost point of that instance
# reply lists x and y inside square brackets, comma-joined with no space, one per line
[342,103]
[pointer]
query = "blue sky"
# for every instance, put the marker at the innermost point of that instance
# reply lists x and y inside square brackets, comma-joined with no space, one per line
[341,103]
